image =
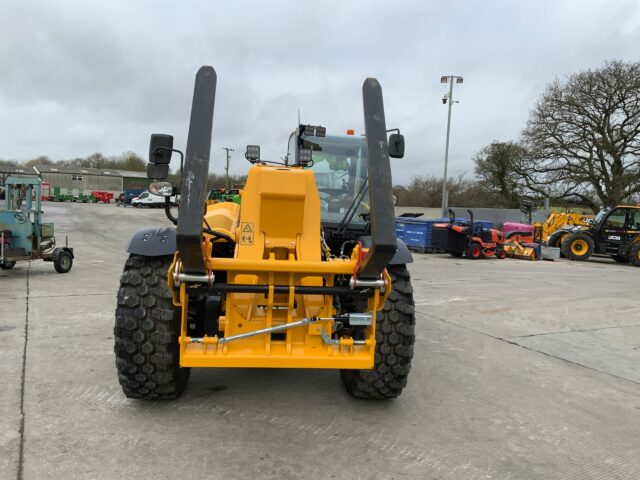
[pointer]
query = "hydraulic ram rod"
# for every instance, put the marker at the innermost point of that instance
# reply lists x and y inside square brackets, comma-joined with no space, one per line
[262,331]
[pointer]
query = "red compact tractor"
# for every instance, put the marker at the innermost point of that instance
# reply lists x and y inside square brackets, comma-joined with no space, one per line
[466,239]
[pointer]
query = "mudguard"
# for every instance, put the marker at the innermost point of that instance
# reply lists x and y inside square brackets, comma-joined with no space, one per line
[402,255]
[56,253]
[153,242]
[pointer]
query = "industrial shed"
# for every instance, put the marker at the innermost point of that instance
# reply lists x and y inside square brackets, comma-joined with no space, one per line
[80,178]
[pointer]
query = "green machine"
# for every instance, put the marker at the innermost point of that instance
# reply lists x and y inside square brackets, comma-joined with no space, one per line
[224,195]
[23,236]
[58,196]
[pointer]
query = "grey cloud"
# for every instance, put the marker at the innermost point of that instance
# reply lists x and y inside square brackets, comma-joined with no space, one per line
[78,77]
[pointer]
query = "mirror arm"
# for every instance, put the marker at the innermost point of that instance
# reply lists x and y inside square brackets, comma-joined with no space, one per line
[394,130]
[167,211]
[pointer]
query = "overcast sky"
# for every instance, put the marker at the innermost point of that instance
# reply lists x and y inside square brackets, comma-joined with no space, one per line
[80,77]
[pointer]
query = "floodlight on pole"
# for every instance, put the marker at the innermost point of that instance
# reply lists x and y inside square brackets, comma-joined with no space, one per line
[447,97]
[227,149]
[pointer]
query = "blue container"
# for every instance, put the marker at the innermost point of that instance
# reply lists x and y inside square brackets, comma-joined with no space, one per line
[131,194]
[416,233]
[479,224]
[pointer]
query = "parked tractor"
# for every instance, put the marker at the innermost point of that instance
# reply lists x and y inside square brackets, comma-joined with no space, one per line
[223,195]
[615,232]
[305,272]
[470,239]
[23,236]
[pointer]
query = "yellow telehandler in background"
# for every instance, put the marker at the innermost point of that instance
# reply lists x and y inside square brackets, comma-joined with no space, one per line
[558,226]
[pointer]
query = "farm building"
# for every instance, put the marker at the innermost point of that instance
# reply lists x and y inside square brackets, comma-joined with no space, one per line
[81,178]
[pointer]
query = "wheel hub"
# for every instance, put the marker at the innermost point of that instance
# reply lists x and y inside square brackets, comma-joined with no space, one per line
[578,247]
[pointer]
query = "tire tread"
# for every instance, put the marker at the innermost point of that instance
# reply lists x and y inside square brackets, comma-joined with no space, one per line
[395,338]
[146,331]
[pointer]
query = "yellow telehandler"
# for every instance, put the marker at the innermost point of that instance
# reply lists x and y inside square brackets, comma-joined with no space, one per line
[305,272]
[558,226]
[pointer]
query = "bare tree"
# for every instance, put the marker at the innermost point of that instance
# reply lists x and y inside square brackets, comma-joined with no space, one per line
[426,191]
[583,136]
[8,163]
[96,160]
[39,161]
[127,161]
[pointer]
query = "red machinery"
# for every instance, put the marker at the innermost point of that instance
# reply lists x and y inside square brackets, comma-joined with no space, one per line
[46,191]
[459,240]
[104,197]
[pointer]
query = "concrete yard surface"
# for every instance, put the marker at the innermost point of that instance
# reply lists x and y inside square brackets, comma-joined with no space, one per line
[522,370]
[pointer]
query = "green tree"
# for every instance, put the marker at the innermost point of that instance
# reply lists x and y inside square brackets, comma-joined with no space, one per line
[496,168]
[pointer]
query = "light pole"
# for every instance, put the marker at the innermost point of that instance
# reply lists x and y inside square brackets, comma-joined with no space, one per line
[227,149]
[448,97]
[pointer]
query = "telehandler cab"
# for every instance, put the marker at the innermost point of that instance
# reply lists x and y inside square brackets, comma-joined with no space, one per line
[306,272]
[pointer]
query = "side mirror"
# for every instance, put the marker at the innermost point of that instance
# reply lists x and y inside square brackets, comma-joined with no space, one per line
[160,148]
[396,145]
[157,171]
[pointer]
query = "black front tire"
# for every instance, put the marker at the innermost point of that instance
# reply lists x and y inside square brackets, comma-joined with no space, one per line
[474,251]
[64,262]
[555,240]
[7,264]
[395,336]
[147,330]
[578,246]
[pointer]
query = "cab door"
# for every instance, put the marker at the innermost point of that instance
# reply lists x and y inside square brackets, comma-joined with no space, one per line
[632,228]
[613,231]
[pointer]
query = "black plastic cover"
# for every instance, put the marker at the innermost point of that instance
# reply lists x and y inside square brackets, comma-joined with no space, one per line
[153,242]
[160,147]
[157,171]
[402,255]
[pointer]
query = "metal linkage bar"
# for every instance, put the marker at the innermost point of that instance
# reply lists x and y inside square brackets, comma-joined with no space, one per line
[262,331]
[278,289]
[354,318]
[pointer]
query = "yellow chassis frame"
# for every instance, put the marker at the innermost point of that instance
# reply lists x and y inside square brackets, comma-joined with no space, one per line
[302,347]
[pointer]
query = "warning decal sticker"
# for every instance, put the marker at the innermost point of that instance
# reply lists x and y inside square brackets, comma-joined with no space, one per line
[246,233]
